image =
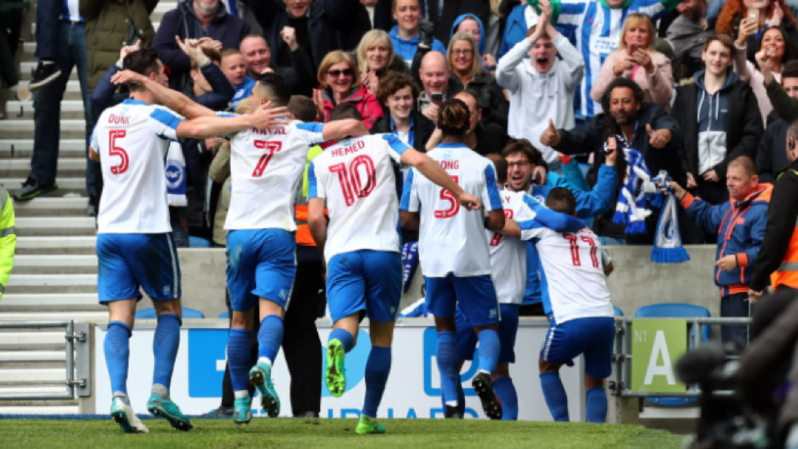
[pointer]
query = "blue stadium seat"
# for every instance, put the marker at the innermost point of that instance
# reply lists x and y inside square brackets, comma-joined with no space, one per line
[149,314]
[618,311]
[198,242]
[224,315]
[677,310]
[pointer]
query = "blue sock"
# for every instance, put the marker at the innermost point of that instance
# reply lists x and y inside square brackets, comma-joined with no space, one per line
[238,358]
[555,396]
[377,369]
[447,365]
[489,348]
[347,340]
[505,391]
[164,347]
[117,354]
[270,337]
[596,405]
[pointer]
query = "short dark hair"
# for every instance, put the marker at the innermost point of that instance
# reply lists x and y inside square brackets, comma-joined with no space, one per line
[143,62]
[345,111]
[470,94]
[394,82]
[275,88]
[522,146]
[724,40]
[789,70]
[562,200]
[746,163]
[454,117]
[618,83]
[500,164]
[302,108]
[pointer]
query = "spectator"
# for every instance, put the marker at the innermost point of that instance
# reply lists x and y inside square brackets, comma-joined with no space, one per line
[399,93]
[542,89]
[772,13]
[437,82]
[69,53]
[340,83]
[720,120]
[471,24]
[406,34]
[258,58]
[774,45]
[48,35]
[739,237]
[464,61]
[687,35]
[637,60]
[317,26]
[375,59]
[235,69]
[448,14]
[658,143]
[207,20]
[480,137]
[378,14]
[771,157]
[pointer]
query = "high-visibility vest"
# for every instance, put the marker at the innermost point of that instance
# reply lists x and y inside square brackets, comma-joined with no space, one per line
[787,273]
[303,236]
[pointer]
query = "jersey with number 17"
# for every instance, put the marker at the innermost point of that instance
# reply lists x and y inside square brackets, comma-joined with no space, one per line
[451,237]
[266,167]
[357,177]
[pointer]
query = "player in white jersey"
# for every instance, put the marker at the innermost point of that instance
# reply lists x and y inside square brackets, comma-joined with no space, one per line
[134,245]
[356,180]
[577,302]
[508,270]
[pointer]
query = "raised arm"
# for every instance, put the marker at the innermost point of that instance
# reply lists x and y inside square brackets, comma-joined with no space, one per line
[172,99]
[339,129]
[204,127]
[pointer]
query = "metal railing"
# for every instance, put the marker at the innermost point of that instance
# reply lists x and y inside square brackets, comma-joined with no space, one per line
[621,379]
[78,347]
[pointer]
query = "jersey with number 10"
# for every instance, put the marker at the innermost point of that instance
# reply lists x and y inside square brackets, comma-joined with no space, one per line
[451,237]
[358,180]
[266,167]
[131,139]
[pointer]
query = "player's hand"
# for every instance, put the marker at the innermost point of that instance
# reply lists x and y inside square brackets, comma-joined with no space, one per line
[711,176]
[432,112]
[691,184]
[128,49]
[540,173]
[550,137]
[727,263]
[289,37]
[267,117]
[755,296]
[127,76]
[469,201]
[659,138]
[612,156]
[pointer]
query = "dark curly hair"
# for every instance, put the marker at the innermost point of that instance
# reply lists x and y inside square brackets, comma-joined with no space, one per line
[393,82]
[454,118]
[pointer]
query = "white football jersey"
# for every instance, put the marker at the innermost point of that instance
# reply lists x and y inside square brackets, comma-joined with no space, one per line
[452,238]
[266,167]
[132,139]
[358,180]
[572,278]
[508,254]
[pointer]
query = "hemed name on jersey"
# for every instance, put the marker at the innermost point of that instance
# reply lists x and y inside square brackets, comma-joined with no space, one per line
[450,165]
[354,148]
[114,119]
[269,131]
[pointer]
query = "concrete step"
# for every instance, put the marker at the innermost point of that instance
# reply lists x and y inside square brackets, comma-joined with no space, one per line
[30,357]
[56,245]
[20,168]
[71,93]
[40,410]
[50,206]
[33,390]
[53,316]
[41,226]
[23,129]
[43,300]
[21,110]
[52,283]
[52,339]
[28,376]
[23,148]
[65,185]
[55,264]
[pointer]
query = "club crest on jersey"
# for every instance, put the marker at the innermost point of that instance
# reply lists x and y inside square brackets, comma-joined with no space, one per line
[283,294]
[175,172]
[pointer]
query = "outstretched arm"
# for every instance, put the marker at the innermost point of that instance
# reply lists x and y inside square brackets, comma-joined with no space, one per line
[172,99]
[435,173]
[204,127]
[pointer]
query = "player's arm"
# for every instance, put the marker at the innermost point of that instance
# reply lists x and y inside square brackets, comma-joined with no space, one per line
[410,205]
[94,155]
[172,99]
[317,224]
[435,173]
[204,127]
[339,129]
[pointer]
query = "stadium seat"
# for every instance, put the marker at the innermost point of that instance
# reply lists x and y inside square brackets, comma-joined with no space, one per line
[618,311]
[676,310]
[224,315]
[149,314]
[198,242]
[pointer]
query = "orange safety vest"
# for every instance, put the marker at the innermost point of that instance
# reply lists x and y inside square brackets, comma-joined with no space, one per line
[787,273]
[303,236]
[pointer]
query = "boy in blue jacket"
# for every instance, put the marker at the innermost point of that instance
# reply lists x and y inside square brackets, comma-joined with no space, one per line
[740,225]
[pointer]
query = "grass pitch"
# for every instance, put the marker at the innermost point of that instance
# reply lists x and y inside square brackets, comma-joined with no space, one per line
[331,433]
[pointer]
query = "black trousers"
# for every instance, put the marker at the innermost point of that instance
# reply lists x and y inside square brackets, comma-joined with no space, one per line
[301,342]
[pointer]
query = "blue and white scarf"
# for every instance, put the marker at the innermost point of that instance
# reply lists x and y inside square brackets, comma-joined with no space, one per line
[176,175]
[668,240]
[631,208]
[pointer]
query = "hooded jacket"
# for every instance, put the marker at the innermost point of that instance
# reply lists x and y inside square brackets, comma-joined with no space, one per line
[367,104]
[717,128]
[482,33]
[537,97]
[740,226]
[454,10]
[406,48]
[771,157]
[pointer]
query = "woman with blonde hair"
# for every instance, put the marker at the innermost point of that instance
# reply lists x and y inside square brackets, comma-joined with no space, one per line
[464,62]
[339,78]
[637,60]
[375,58]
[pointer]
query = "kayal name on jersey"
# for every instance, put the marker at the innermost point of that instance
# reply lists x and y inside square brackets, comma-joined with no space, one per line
[269,131]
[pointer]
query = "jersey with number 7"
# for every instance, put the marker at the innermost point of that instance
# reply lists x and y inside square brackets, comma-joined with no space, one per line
[452,238]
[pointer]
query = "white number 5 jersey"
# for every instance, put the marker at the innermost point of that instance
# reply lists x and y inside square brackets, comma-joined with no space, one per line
[358,180]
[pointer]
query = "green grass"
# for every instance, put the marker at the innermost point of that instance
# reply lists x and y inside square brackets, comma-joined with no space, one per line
[332,433]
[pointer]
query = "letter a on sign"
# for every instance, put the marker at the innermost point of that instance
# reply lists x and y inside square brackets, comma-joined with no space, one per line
[656,346]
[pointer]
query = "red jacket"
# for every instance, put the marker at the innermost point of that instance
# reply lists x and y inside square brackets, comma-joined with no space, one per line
[366,103]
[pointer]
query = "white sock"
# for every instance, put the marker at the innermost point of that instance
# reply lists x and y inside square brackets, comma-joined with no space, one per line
[265,360]
[242,394]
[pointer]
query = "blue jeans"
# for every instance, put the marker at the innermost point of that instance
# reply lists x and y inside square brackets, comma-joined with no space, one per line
[179,235]
[47,104]
[735,306]
[48,14]
[611,241]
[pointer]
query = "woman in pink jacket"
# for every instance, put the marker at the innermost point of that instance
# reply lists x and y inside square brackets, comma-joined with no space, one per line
[340,83]
[636,58]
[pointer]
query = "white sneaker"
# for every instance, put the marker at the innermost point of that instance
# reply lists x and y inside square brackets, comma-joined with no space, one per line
[122,413]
